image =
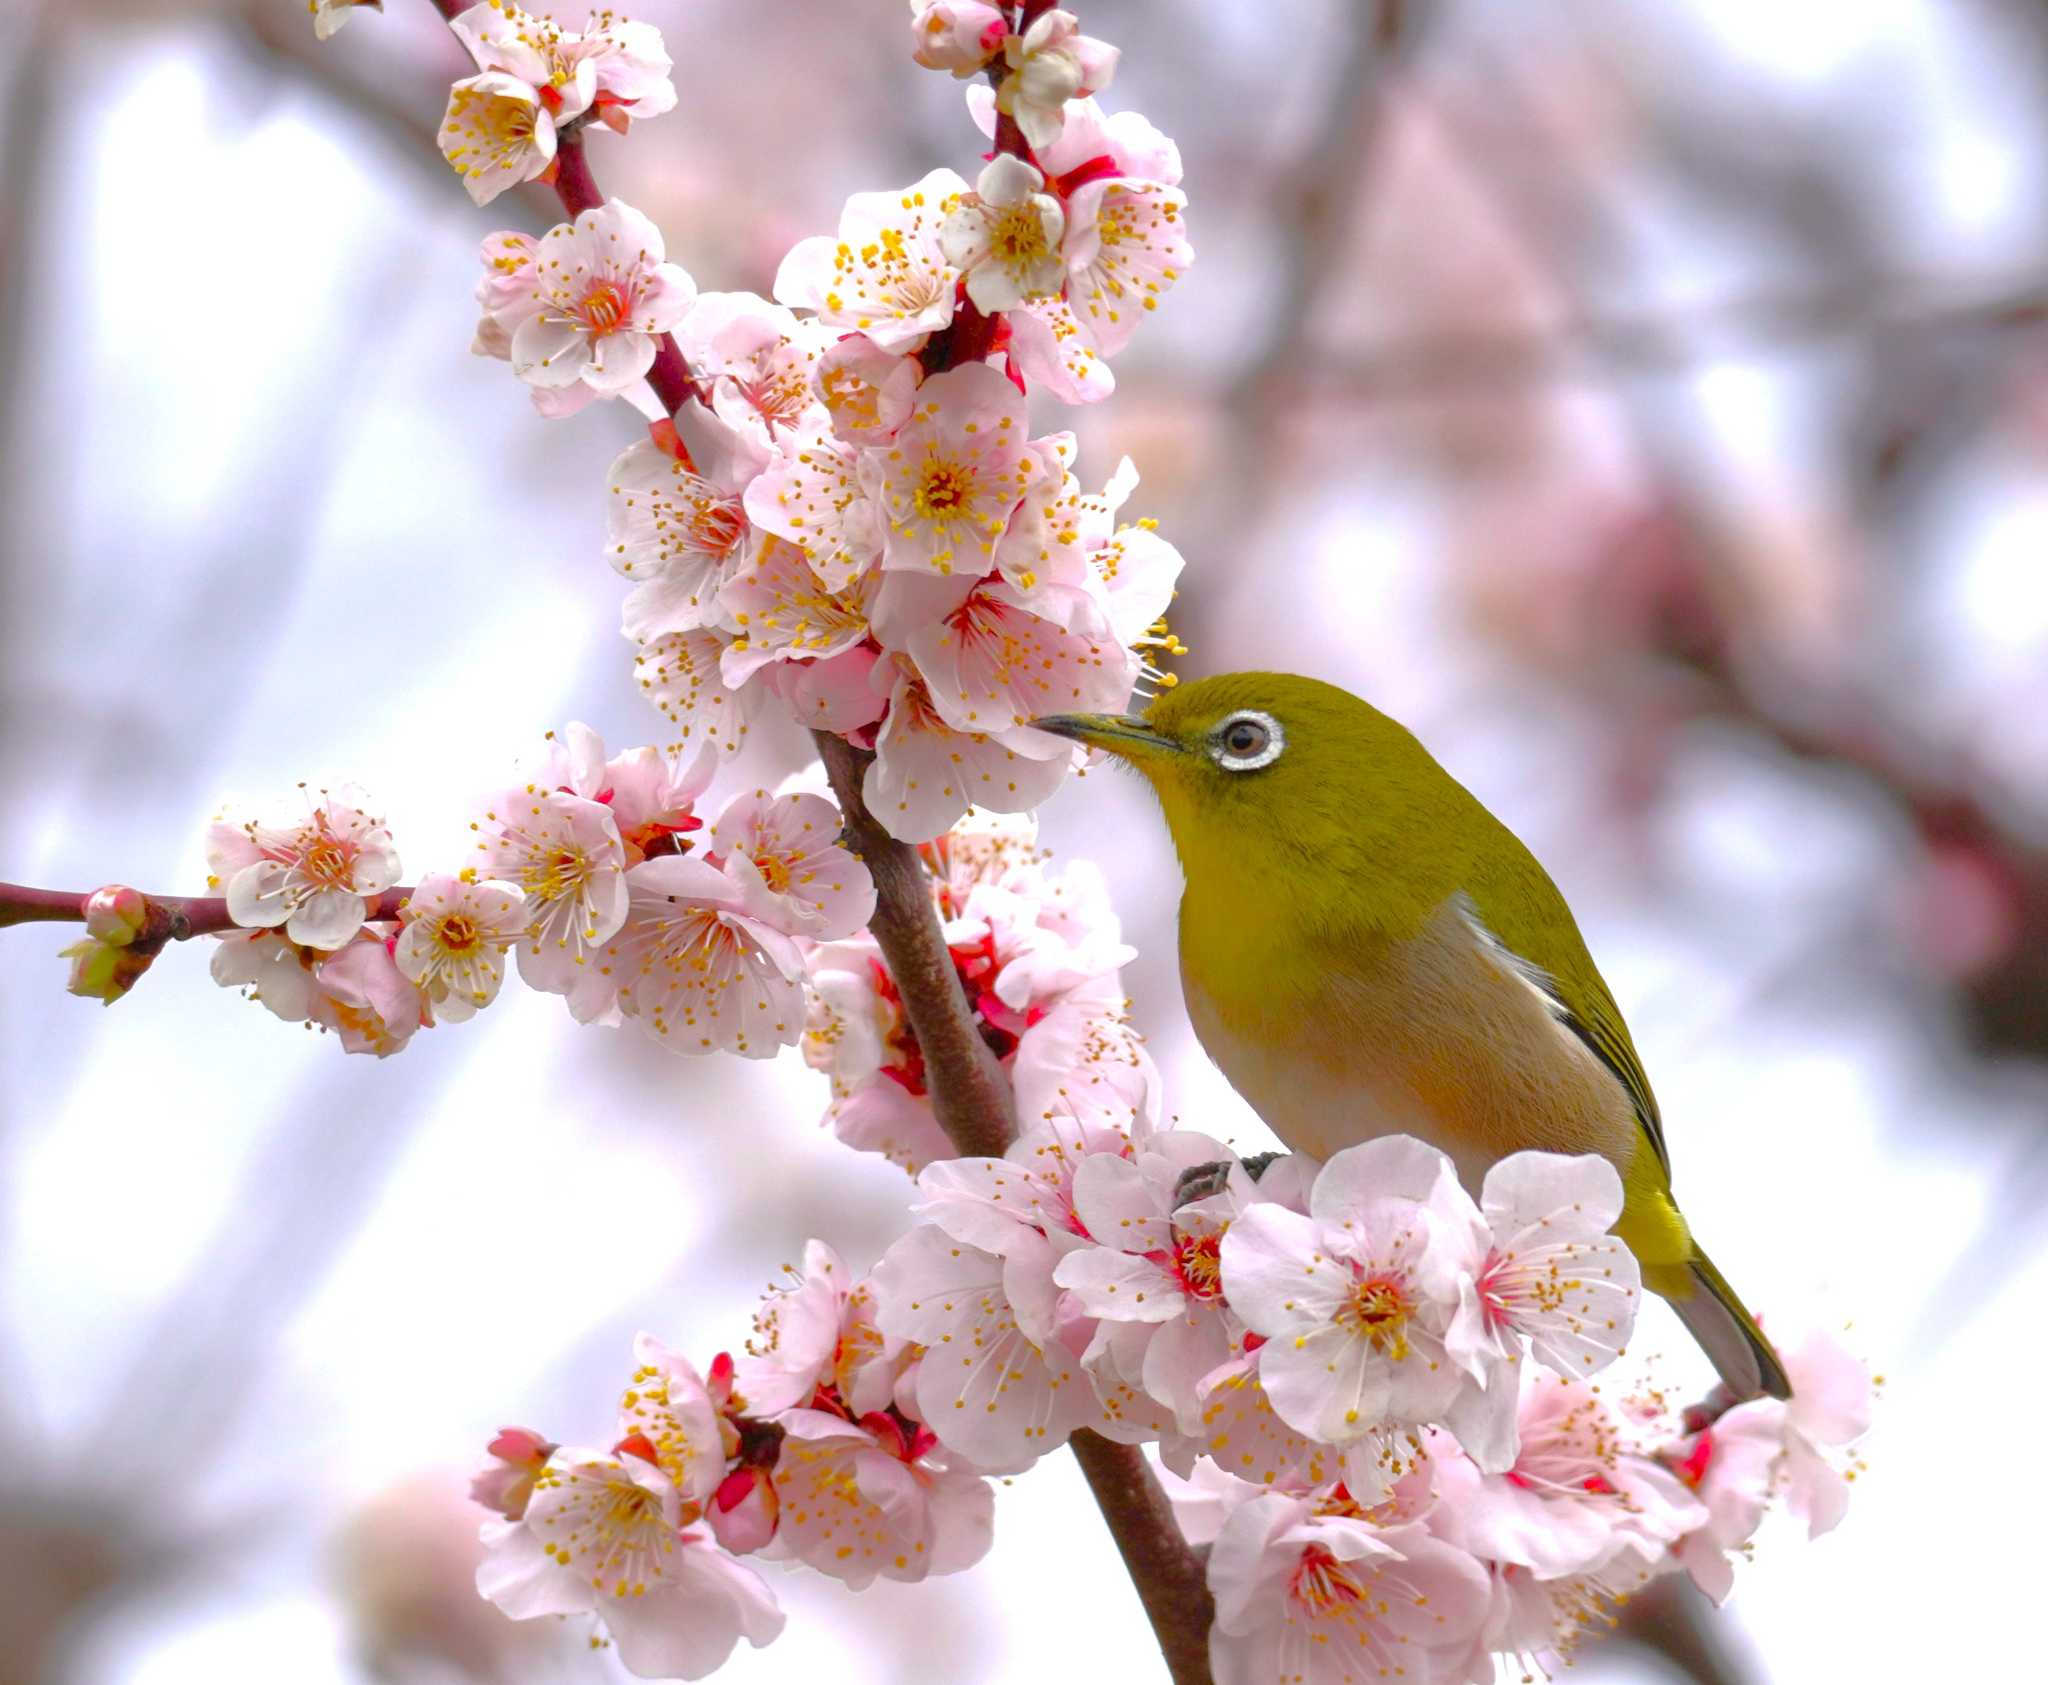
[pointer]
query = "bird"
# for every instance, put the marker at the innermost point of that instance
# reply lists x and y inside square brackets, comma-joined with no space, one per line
[1366,950]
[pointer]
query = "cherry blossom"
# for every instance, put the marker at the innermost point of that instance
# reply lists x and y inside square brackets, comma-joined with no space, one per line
[681,672]
[818,1332]
[675,524]
[604,1533]
[1005,236]
[855,1031]
[453,944]
[330,15]
[1731,1468]
[697,966]
[811,495]
[1324,1598]
[784,851]
[363,996]
[759,360]
[314,876]
[1049,64]
[868,392]
[496,133]
[618,66]
[778,609]
[874,1498]
[926,774]
[508,292]
[667,1411]
[605,295]
[953,474]
[1357,1297]
[960,37]
[885,275]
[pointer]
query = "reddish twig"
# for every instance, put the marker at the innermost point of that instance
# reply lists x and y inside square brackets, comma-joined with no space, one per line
[172,918]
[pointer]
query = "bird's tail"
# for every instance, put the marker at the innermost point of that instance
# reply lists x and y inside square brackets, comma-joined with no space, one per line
[1727,1333]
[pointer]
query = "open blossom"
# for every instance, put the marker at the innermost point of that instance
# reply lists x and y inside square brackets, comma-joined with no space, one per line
[784,851]
[876,1498]
[330,15]
[606,295]
[356,991]
[675,524]
[949,481]
[1327,1599]
[885,275]
[699,968]
[314,875]
[778,610]
[496,134]
[868,392]
[616,65]
[453,944]
[959,37]
[1356,1298]
[1049,64]
[1005,236]
[563,852]
[811,496]
[682,674]
[818,1333]
[758,360]
[605,1533]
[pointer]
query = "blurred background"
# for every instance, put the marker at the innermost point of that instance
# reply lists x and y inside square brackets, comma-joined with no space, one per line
[1646,400]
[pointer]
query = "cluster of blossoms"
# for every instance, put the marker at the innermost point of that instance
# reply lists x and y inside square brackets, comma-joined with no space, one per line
[595,872]
[848,511]
[1376,1391]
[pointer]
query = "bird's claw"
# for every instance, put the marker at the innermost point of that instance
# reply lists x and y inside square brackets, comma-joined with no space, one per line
[1204,1181]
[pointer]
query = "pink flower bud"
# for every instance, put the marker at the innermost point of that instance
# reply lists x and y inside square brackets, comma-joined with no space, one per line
[744,1511]
[505,1484]
[955,37]
[116,914]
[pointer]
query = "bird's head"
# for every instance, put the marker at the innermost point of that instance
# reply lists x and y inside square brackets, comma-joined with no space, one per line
[1272,772]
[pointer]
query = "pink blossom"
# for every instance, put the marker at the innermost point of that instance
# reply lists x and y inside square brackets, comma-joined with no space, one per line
[565,854]
[650,794]
[778,609]
[676,525]
[1578,1494]
[364,998]
[313,875]
[606,295]
[1731,1467]
[508,292]
[760,361]
[1357,1297]
[868,392]
[116,914]
[818,1333]
[1235,1425]
[1049,350]
[1049,64]
[959,466]
[960,37]
[926,774]
[668,1412]
[810,493]
[619,66]
[1081,1058]
[873,1498]
[885,275]
[834,694]
[1324,1599]
[698,969]
[496,133]
[680,672]
[1536,1621]
[454,941]
[1005,236]
[784,851]
[604,1534]
[505,1483]
[856,1033]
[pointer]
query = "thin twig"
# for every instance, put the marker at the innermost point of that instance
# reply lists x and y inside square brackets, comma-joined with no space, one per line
[1171,1580]
[181,916]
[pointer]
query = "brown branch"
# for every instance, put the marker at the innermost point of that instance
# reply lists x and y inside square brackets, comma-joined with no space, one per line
[172,918]
[969,1092]
[1171,1580]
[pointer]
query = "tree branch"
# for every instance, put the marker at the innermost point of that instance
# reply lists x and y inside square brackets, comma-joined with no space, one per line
[1171,1579]
[177,917]
[969,1092]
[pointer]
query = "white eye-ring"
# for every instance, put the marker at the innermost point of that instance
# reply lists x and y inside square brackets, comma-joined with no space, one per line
[1247,741]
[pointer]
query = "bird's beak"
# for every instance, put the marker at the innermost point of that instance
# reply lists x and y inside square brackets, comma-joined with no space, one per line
[1120,734]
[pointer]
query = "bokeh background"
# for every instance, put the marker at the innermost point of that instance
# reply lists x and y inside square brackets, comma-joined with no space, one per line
[1647,400]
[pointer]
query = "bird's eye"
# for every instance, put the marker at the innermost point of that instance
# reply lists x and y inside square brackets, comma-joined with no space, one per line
[1245,742]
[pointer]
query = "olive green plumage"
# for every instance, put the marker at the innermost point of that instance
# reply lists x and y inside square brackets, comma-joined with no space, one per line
[1366,949]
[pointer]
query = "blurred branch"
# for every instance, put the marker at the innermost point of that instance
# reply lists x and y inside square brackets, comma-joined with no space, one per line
[172,918]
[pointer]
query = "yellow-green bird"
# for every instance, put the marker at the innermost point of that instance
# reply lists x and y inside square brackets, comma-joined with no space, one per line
[1367,951]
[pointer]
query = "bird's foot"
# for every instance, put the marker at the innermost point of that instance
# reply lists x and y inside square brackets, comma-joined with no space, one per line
[1204,1181]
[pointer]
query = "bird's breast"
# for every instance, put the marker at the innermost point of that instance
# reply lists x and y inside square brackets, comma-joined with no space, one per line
[1435,1036]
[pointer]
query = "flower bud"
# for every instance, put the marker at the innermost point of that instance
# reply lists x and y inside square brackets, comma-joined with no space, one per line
[744,1510]
[506,1482]
[116,914]
[957,37]
[104,971]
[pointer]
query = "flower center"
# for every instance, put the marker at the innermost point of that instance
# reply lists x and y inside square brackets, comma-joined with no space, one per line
[944,490]
[774,871]
[1378,1313]
[1018,238]
[458,933]
[329,862]
[603,308]
[1199,1264]
[1322,1583]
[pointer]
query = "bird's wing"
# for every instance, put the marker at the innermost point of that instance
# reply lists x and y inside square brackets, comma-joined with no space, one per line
[1528,923]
